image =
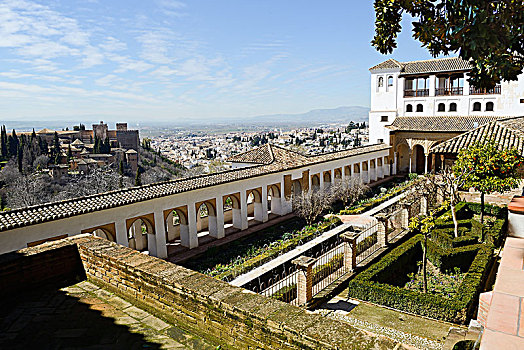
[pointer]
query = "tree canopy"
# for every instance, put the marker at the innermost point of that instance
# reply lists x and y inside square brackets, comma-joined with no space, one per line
[487,33]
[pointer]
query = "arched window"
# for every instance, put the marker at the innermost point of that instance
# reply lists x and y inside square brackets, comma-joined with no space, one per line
[390,81]
[441,107]
[476,106]
[380,82]
[452,107]
[489,107]
[420,108]
[409,108]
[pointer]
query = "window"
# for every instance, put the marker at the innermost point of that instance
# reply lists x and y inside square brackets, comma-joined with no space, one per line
[420,108]
[380,82]
[441,107]
[409,108]
[489,107]
[476,106]
[453,107]
[384,118]
[390,81]
[380,140]
[416,87]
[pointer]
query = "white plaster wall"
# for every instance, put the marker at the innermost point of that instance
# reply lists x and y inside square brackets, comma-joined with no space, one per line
[18,238]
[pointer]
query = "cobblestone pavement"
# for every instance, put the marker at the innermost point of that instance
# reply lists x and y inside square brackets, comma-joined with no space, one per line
[84,316]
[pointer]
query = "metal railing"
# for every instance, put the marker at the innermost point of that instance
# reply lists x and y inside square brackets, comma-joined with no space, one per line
[367,242]
[416,93]
[449,91]
[494,91]
[328,268]
[282,287]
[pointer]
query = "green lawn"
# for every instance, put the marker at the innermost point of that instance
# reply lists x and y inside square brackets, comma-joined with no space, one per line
[419,326]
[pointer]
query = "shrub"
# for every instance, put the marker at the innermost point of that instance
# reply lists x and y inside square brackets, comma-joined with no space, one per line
[499,212]
[372,284]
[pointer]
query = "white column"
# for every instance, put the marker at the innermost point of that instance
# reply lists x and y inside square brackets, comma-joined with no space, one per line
[410,170]
[151,244]
[192,238]
[310,182]
[395,163]
[264,202]
[321,178]
[426,164]
[136,229]
[220,217]
[212,225]
[364,174]
[236,218]
[286,206]
[243,210]
[184,235]
[121,233]
[170,227]
[160,235]
[276,205]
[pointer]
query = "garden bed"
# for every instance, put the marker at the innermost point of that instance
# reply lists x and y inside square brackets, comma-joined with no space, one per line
[458,267]
[246,254]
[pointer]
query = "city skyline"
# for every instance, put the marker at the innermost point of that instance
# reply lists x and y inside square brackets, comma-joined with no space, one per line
[165,60]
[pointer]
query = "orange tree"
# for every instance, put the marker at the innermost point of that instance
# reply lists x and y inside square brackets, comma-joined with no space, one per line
[489,169]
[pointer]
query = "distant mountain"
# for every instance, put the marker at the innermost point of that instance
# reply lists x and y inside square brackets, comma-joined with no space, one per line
[334,115]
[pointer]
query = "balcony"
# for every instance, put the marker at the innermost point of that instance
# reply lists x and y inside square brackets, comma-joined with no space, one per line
[449,91]
[416,93]
[494,91]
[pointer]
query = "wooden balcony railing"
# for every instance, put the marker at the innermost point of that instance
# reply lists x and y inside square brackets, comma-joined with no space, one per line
[449,91]
[416,93]
[496,90]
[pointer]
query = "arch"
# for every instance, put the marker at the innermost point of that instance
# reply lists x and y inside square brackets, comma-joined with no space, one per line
[420,159]
[296,187]
[255,194]
[403,155]
[365,166]
[181,215]
[315,182]
[441,107]
[338,173]
[379,162]
[231,202]
[476,106]
[104,231]
[452,107]
[356,168]
[273,191]
[205,208]
[490,106]
[380,82]
[372,163]
[138,233]
[390,80]
[409,108]
[420,107]
[347,170]
[327,176]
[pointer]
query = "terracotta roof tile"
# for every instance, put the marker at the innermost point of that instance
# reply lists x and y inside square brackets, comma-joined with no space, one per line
[506,133]
[447,64]
[440,123]
[283,159]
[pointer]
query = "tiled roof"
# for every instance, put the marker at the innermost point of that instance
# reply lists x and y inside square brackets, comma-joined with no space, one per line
[282,160]
[391,63]
[440,123]
[447,64]
[505,133]
[259,155]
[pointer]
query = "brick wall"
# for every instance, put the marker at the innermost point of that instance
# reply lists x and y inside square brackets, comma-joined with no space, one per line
[232,316]
[49,263]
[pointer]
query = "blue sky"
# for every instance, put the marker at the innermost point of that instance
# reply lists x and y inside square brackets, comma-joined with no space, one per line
[171,60]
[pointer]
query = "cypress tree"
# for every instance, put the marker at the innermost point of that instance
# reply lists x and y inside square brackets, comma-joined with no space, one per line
[20,158]
[3,140]
[138,178]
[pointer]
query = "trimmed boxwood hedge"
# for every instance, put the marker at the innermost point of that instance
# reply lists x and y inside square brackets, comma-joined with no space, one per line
[372,284]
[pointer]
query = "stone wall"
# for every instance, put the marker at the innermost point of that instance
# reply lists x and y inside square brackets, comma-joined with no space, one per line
[228,315]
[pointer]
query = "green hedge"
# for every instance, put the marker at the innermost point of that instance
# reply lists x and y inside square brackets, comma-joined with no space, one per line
[448,258]
[446,237]
[369,285]
[499,212]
